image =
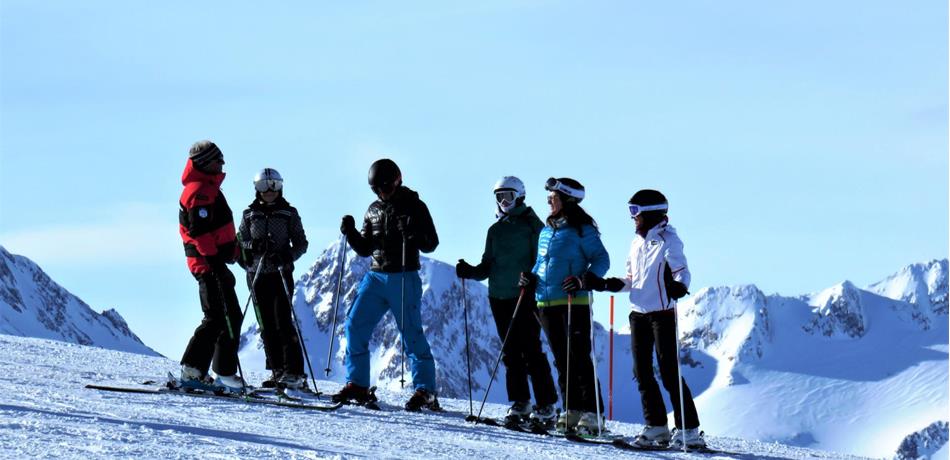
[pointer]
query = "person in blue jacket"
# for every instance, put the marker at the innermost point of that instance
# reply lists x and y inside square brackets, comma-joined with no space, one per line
[569,247]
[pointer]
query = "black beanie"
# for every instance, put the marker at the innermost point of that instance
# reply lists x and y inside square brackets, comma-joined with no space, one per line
[203,153]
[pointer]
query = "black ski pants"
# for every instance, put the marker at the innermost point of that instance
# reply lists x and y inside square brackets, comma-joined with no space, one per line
[658,330]
[522,352]
[215,341]
[576,383]
[281,342]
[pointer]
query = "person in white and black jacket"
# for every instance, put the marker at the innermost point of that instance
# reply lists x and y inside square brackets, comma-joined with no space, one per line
[657,275]
[272,238]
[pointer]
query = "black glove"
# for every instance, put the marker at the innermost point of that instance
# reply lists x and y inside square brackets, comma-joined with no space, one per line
[572,284]
[464,270]
[348,225]
[527,280]
[614,284]
[593,282]
[676,290]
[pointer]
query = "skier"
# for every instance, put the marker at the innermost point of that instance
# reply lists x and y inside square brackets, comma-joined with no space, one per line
[207,229]
[569,247]
[657,276]
[271,230]
[395,229]
[510,248]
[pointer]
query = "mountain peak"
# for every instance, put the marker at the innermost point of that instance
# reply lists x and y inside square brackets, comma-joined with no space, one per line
[923,285]
[838,312]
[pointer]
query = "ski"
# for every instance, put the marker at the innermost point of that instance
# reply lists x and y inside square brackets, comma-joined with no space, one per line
[250,398]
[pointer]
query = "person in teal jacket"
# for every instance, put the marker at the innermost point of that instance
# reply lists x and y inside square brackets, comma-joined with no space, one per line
[569,247]
[511,248]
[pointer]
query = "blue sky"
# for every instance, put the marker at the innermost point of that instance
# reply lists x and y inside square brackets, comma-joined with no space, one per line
[800,143]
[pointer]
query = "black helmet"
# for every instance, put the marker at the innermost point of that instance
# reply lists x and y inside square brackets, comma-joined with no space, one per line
[383,174]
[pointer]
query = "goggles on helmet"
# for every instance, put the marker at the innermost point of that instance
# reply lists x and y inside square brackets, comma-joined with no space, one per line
[554,185]
[636,209]
[385,187]
[268,185]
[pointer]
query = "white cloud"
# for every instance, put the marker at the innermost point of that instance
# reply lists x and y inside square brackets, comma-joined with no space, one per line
[123,235]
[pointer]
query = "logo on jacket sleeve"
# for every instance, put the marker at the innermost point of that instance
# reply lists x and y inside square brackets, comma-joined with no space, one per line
[202,213]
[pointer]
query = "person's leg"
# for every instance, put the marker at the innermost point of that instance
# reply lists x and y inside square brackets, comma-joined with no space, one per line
[290,352]
[265,301]
[664,329]
[582,366]
[516,375]
[225,360]
[536,361]
[554,323]
[366,311]
[200,348]
[421,361]
[641,342]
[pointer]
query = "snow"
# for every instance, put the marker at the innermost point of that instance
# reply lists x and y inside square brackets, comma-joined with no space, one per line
[47,412]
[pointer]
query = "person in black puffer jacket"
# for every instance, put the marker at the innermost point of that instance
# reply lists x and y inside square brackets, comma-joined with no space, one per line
[272,238]
[397,220]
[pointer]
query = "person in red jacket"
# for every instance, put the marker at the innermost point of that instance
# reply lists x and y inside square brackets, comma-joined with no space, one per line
[207,230]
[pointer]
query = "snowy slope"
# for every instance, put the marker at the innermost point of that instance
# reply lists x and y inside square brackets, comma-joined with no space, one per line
[33,305]
[845,369]
[46,412]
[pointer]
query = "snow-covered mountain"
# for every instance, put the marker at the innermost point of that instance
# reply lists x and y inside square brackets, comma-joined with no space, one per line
[33,305]
[844,369]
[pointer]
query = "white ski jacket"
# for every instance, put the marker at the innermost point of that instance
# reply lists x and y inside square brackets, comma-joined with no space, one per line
[648,259]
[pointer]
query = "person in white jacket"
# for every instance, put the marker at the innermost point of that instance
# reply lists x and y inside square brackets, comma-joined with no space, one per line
[657,275]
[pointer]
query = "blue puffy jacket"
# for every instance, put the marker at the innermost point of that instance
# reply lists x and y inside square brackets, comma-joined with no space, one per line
[562,252]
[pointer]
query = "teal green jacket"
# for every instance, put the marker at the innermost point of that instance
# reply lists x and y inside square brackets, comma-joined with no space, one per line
[511,247]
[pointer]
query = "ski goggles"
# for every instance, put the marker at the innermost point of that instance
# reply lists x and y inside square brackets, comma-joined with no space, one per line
[636,210]
[505,196]
[554,185]
[385,187]
[269,185]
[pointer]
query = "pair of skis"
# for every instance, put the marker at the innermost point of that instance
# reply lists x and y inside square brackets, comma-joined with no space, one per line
[280,398]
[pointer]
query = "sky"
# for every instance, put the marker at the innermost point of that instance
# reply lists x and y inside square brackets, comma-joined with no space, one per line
[800,144]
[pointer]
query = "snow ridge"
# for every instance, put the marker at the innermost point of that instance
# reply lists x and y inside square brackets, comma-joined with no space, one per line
[925,443]
[33,305]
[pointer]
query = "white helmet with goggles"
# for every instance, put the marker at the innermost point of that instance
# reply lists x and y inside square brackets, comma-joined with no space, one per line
[268,180]
[508,190]
[570,188]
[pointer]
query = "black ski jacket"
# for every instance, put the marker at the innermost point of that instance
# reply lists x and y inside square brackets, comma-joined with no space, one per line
[381,238]
[275,230]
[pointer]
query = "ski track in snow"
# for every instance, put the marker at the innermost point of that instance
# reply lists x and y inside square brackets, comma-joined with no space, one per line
[46,412]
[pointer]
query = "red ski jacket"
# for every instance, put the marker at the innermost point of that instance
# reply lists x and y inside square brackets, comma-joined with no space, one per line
[205,221]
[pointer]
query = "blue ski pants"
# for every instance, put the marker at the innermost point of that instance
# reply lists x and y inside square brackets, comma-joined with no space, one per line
[377,293]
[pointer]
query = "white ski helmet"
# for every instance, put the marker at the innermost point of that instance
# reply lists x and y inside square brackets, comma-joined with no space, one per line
[508,190]
[268,179]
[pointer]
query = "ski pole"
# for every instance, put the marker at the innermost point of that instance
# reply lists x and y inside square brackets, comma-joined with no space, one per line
[567,370]
[402,312]
[231,335]
[593,351]
[252,296]
[679,375]
[468,354]
[336,300]
[293,315]
[498,360]
[610,391]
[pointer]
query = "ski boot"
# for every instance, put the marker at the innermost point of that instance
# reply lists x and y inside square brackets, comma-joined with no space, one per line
[653,437]
[692,438]
[191,379]
[518,413]
[352,393]
[272,381]
[293,381]
[543,418]
[590,426]
[232,384]
[567,422]
[423,399]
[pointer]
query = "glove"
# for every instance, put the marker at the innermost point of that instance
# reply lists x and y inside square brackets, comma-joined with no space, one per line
[464,270]
[572,284]
[527,280]
[258,246]
[614,284]
[593,281]
[348,225]
[676,290]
